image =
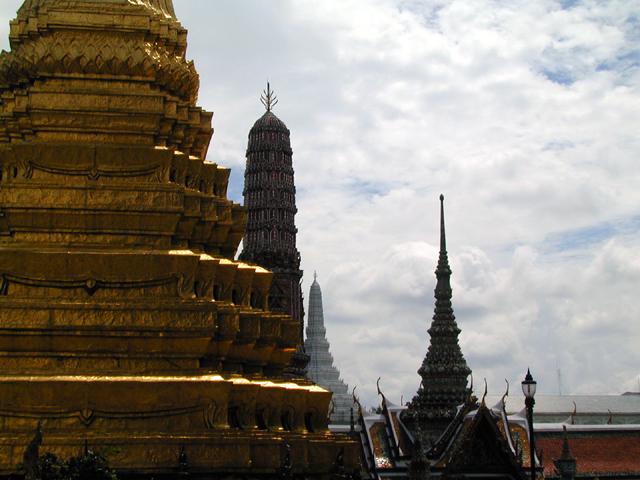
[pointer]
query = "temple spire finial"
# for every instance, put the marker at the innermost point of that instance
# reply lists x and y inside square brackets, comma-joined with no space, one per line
[443,240]
[268,98]
[443,271]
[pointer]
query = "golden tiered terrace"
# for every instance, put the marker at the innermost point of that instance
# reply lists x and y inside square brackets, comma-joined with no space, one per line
[124,319]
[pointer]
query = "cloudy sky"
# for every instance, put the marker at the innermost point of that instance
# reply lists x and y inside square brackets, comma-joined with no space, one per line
[525,114]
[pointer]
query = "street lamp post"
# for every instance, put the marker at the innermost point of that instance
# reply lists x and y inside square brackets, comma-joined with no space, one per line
[529,390]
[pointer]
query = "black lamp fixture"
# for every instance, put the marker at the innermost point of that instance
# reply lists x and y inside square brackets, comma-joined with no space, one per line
[529,386]
[529,390]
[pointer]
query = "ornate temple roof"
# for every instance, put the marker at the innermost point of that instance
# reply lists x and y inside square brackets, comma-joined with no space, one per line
[480,441]
[583,404]
[269,121]
[582,409]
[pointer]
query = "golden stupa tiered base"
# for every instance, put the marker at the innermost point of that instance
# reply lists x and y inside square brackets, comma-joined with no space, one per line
[125,321]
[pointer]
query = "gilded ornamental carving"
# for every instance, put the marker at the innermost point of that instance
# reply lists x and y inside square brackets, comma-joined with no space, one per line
[124,316]
[78,53]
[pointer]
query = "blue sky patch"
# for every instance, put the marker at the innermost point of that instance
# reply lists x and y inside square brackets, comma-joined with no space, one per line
[567,4]
[561,77]
[582,238]
[560,145]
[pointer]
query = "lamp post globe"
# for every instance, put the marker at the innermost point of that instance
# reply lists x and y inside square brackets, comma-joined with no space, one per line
[529,385]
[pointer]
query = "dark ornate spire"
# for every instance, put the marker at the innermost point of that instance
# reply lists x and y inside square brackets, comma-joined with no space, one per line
[270,199]
[443,272]
[566,465]
[444,370]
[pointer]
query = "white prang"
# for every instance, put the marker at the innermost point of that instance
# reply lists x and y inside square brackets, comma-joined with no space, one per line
[321,369]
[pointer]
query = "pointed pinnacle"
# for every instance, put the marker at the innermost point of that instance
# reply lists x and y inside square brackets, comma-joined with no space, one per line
[443,241]
[268,98]
[443,272]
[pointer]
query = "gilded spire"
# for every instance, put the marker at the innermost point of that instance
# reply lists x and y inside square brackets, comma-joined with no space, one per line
[444,370]
[268,98]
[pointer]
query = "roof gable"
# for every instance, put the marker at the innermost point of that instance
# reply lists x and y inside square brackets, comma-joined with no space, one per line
[480,447]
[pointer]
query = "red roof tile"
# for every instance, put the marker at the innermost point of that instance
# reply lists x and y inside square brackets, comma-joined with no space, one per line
[601,454]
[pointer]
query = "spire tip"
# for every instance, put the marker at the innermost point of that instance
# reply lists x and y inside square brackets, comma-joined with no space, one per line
[443,242]
[268,98]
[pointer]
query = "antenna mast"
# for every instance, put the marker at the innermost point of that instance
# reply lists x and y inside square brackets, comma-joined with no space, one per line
[559,378]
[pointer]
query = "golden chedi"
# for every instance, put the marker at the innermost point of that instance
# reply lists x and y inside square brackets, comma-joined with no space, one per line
[124,320]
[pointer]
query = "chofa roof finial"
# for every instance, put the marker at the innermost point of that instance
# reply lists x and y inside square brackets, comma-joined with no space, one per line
[268,98]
